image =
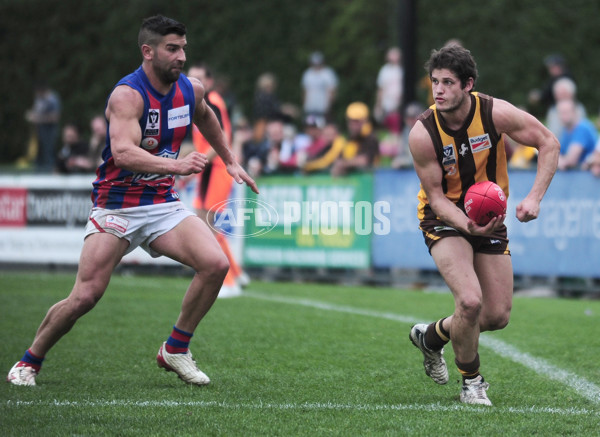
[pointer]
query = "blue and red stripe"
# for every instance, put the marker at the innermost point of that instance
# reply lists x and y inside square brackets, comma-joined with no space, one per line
[115,188]
[178,342]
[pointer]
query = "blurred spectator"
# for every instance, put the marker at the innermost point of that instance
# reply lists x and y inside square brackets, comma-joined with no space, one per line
[403,157]
[319,85]
[563,89]
[556,67]
[73,155]
[578,138]
[97,141]
[306,145]
[266,103]
[593,162]
[323,152]
[262,157]
[45,116]
[389,91]
[312,130]
[519,156]
[361,151]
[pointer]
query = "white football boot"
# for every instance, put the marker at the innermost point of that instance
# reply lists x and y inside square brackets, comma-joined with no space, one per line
[474,391]
[434,363]
[183,365]
[22,375]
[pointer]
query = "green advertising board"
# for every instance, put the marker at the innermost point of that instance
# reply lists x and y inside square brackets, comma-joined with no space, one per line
[310,221]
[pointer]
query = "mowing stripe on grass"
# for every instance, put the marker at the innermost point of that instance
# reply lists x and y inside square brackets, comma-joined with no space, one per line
[313,406]
[582,386]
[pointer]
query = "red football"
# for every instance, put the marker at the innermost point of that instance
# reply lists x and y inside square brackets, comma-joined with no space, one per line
[483,201]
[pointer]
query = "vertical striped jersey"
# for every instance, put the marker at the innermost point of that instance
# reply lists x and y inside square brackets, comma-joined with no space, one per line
[164,124]
[473,153]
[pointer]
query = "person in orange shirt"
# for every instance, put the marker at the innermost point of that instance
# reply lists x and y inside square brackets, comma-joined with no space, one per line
[214,183]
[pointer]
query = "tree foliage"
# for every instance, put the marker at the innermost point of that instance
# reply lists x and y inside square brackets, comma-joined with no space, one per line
[82,48]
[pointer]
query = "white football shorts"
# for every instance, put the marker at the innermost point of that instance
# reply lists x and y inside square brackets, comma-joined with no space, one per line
[139,225]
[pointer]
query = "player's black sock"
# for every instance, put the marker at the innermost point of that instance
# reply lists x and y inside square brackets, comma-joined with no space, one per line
[436,336]
[468,370]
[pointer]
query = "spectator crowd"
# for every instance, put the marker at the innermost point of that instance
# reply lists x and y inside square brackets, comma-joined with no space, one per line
[276,137]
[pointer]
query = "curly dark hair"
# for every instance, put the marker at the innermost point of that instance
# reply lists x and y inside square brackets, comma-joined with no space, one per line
[456,59]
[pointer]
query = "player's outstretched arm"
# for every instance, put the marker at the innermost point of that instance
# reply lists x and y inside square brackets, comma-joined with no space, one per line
[527,130]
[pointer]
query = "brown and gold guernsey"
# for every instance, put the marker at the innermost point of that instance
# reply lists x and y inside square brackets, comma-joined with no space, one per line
[473,153]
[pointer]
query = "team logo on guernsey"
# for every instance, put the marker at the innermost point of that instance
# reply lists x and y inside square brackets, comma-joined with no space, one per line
[153,123]
[449,159]
[480,143]
[178,117]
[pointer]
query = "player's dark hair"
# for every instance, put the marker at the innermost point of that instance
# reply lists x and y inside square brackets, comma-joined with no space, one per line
[455,58]
[154,28]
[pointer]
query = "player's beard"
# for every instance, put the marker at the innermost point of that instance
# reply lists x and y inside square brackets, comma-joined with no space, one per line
[167,74]
[454,105]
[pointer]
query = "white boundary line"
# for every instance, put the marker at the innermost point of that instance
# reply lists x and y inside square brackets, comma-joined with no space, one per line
[582,386]
[313,406]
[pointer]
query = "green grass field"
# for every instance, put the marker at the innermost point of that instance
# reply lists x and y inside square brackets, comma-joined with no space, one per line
[293,359]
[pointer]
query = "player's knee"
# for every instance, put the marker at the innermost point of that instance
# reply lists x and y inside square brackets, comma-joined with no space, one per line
[222,265]
[499,321]
[469,308]
[218,268]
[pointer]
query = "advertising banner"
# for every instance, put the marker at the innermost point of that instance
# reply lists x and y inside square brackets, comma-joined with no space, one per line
[563,241]
[404,246]
[316,221]
[43,217]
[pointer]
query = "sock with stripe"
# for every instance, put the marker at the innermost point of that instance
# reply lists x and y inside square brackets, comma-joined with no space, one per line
[468,370]
[178,342]
[436,336]
[31,360]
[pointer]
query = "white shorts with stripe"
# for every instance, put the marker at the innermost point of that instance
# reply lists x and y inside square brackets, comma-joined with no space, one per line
[139,225]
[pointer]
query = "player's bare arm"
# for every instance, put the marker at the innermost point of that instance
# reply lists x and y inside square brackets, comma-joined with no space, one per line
[124,109]
[209,126]
[526,129]
[430,174]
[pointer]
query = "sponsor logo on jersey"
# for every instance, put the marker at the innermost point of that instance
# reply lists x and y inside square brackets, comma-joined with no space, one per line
[480,143]
[178,117]
[118,223]
[152,123]
[463,150]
